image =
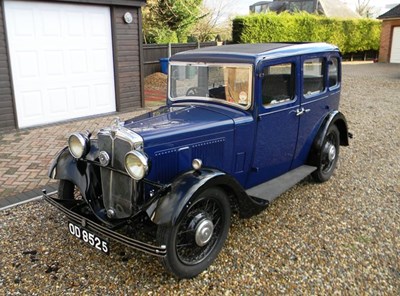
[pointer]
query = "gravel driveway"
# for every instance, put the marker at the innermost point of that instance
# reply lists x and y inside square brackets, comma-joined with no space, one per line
[340,237]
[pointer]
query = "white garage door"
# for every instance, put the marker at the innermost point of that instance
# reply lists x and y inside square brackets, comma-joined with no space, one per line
[61,60]
[395,52]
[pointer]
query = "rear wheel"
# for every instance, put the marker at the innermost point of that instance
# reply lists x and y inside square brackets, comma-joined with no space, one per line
[328,155]
[198,236]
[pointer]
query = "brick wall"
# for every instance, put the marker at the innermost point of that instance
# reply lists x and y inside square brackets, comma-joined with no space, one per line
[386,39]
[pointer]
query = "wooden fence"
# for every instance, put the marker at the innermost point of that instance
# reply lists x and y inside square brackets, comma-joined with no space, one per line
[152,53]
[370,55]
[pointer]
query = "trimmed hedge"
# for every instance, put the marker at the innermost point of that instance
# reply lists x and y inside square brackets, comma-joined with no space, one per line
[350,35]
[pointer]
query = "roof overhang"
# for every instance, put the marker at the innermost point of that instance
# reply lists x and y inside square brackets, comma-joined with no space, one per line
[390,19]
[127,3]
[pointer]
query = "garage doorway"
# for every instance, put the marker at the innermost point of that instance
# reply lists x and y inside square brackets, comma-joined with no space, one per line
[61,60]
[395,51]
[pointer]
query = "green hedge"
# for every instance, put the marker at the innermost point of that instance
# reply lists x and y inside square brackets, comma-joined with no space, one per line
[350,35]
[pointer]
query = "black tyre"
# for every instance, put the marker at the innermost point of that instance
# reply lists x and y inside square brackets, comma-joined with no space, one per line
[198,236]
[328,155]
[67,190]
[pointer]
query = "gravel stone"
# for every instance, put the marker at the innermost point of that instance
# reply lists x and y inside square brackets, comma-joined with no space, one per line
[339,237]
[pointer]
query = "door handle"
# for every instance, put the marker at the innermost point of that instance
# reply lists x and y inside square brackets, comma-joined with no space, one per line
[301,111]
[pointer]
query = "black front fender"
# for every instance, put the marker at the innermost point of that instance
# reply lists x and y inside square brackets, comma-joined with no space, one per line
[167,209]
[80,172]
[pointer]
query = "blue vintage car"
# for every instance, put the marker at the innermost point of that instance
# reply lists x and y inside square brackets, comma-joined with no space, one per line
[242,124]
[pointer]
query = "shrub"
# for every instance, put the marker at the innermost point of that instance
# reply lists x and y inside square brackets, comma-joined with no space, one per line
[350,35]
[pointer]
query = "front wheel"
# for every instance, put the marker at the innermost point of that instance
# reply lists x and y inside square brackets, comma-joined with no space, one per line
[328,155]
[198,236]
[68,191]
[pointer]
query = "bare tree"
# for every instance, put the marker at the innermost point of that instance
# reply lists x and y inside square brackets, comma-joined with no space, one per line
[215,23]
[365,9]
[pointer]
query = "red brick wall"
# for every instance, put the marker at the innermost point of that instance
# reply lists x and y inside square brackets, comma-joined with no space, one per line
[386,39]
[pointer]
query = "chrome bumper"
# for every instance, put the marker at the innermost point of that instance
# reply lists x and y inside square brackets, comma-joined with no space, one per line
[159,251]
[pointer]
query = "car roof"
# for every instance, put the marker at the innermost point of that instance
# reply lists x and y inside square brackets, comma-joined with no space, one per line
[250,53]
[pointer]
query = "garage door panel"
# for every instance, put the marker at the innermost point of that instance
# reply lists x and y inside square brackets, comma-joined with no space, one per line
[62,53]
[32,105]
[58,101]
[54,63]
[79,61]
[27,64]
[80,95]
[98,25]
[51,20]
[76,24]
[100,61]
[395,50]
[22,21]
[102,93]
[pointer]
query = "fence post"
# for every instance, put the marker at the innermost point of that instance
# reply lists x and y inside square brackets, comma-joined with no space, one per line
[198,44]
[169,50]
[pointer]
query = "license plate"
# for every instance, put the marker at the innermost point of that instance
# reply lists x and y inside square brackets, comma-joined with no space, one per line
[89,238]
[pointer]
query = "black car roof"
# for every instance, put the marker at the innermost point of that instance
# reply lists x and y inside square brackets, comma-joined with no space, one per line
[250,53]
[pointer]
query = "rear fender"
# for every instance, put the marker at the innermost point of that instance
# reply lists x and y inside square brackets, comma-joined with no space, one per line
[333,118]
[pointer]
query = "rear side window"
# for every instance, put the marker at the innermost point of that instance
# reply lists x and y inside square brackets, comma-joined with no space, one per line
[333,73]
[278,84]
[313,77]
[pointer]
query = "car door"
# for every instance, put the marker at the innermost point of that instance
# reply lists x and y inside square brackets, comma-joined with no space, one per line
[277,123]
[319,94]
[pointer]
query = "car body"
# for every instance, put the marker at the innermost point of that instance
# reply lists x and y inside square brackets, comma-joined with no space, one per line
[242,124]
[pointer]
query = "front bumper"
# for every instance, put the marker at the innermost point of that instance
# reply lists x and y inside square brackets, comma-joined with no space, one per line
[159,251]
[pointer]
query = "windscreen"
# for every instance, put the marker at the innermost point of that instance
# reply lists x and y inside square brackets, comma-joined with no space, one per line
[225,83]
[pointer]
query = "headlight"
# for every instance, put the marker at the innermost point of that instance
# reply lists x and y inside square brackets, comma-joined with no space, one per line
[78,145]
[136,164]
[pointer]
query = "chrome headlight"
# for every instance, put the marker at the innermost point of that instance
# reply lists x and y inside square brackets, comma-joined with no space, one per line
[78,145]
[136,164]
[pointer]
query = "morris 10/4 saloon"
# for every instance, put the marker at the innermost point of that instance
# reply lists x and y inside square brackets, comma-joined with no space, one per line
[242,124]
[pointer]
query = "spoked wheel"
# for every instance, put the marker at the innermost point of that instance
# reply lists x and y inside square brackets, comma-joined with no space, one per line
[198,236]
[328,155]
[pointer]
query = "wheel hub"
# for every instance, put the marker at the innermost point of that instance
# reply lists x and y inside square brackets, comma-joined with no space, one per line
[204,232]
[331,152]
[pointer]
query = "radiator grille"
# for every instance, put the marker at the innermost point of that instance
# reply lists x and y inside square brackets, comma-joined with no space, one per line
[119,190]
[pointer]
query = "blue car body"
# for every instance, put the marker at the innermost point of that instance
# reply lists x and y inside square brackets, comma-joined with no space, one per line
[242,123]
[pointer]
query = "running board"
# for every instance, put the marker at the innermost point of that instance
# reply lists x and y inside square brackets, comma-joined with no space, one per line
[270,190]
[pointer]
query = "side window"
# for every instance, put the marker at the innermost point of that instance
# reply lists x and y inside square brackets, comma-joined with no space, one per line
[278,84]
[333,73]
[313,77]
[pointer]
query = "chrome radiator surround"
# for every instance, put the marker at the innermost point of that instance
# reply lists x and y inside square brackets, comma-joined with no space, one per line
[119,190]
